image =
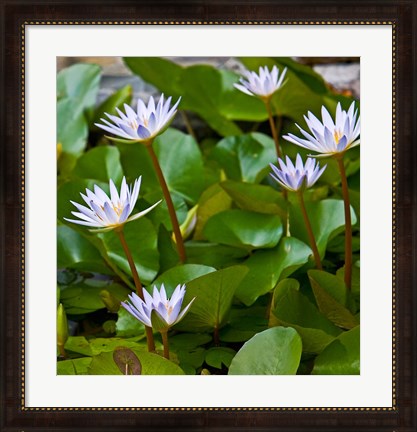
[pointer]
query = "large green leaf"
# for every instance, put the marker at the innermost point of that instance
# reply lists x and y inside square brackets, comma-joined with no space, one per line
[79,82]
[75,251]
[182,274]
[245,157]
[212,254]
[127,325]
[290,308]
[162,73]
[212,201]
[85,297]
[243,228]
[327,218]
[182,163]
[152,364]
[79,345]
[244,323]
[73,367]
[100,163]
[254,197]
[109,105]
[219,356]
[341,357]
[332,298]
[267,267]
[276,351]
[203,87]
[213,294]
[141,238]
[72,127]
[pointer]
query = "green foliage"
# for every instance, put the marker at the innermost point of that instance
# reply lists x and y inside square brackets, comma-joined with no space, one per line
[141,238]
[152,364]
[246,237]
[341,357]
[267,267]
[244,229]
[276,351]
[213,294]
[245,157]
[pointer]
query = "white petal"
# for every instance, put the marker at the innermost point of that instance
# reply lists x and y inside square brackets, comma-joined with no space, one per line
[144,212]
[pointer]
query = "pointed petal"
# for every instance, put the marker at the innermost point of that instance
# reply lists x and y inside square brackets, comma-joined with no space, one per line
[144,212]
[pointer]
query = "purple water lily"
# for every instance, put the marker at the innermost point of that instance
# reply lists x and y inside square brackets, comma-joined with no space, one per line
[144,124]
[264,84]
[168,310]
[106,213]
[329,137]
[299,176]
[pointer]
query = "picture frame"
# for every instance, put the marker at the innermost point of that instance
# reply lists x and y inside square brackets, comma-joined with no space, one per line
[16,15]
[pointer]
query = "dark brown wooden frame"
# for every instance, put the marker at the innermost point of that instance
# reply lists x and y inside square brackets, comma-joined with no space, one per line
[402,417]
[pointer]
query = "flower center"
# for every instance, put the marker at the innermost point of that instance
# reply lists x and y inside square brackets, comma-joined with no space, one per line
[145,121]
[337,136]
[168,308]
[133,124]
[118,208]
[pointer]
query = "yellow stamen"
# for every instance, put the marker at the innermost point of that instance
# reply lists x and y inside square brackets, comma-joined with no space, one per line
[337,136]
[168,308]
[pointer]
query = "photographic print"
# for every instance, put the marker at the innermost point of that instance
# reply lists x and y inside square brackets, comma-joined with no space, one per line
[208,216]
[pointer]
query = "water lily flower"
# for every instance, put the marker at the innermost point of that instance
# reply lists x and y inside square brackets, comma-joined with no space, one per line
[264,84]
[168,310]
[107,213]
[144,124]
[328,137]
[298,177]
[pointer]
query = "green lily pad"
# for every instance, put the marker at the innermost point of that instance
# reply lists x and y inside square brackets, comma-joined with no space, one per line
[341,357]
[257,198]
[101,163]
[332,297]
[290,308]
[212,201]
[75,251]
[267,267]
[213,294]
[276,351]
[80,83]
[242,228]
[245,157]
[73,367]
[219,356]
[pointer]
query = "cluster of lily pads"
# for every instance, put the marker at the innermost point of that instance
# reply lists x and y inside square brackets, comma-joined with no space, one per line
[192,276]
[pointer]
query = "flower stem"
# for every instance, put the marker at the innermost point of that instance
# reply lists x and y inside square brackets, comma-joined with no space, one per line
[164,335]
[274,132]
[177,232]
[273,127]
[348,225]
[187,123]
[138,284]
[216,336]
[309,231]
